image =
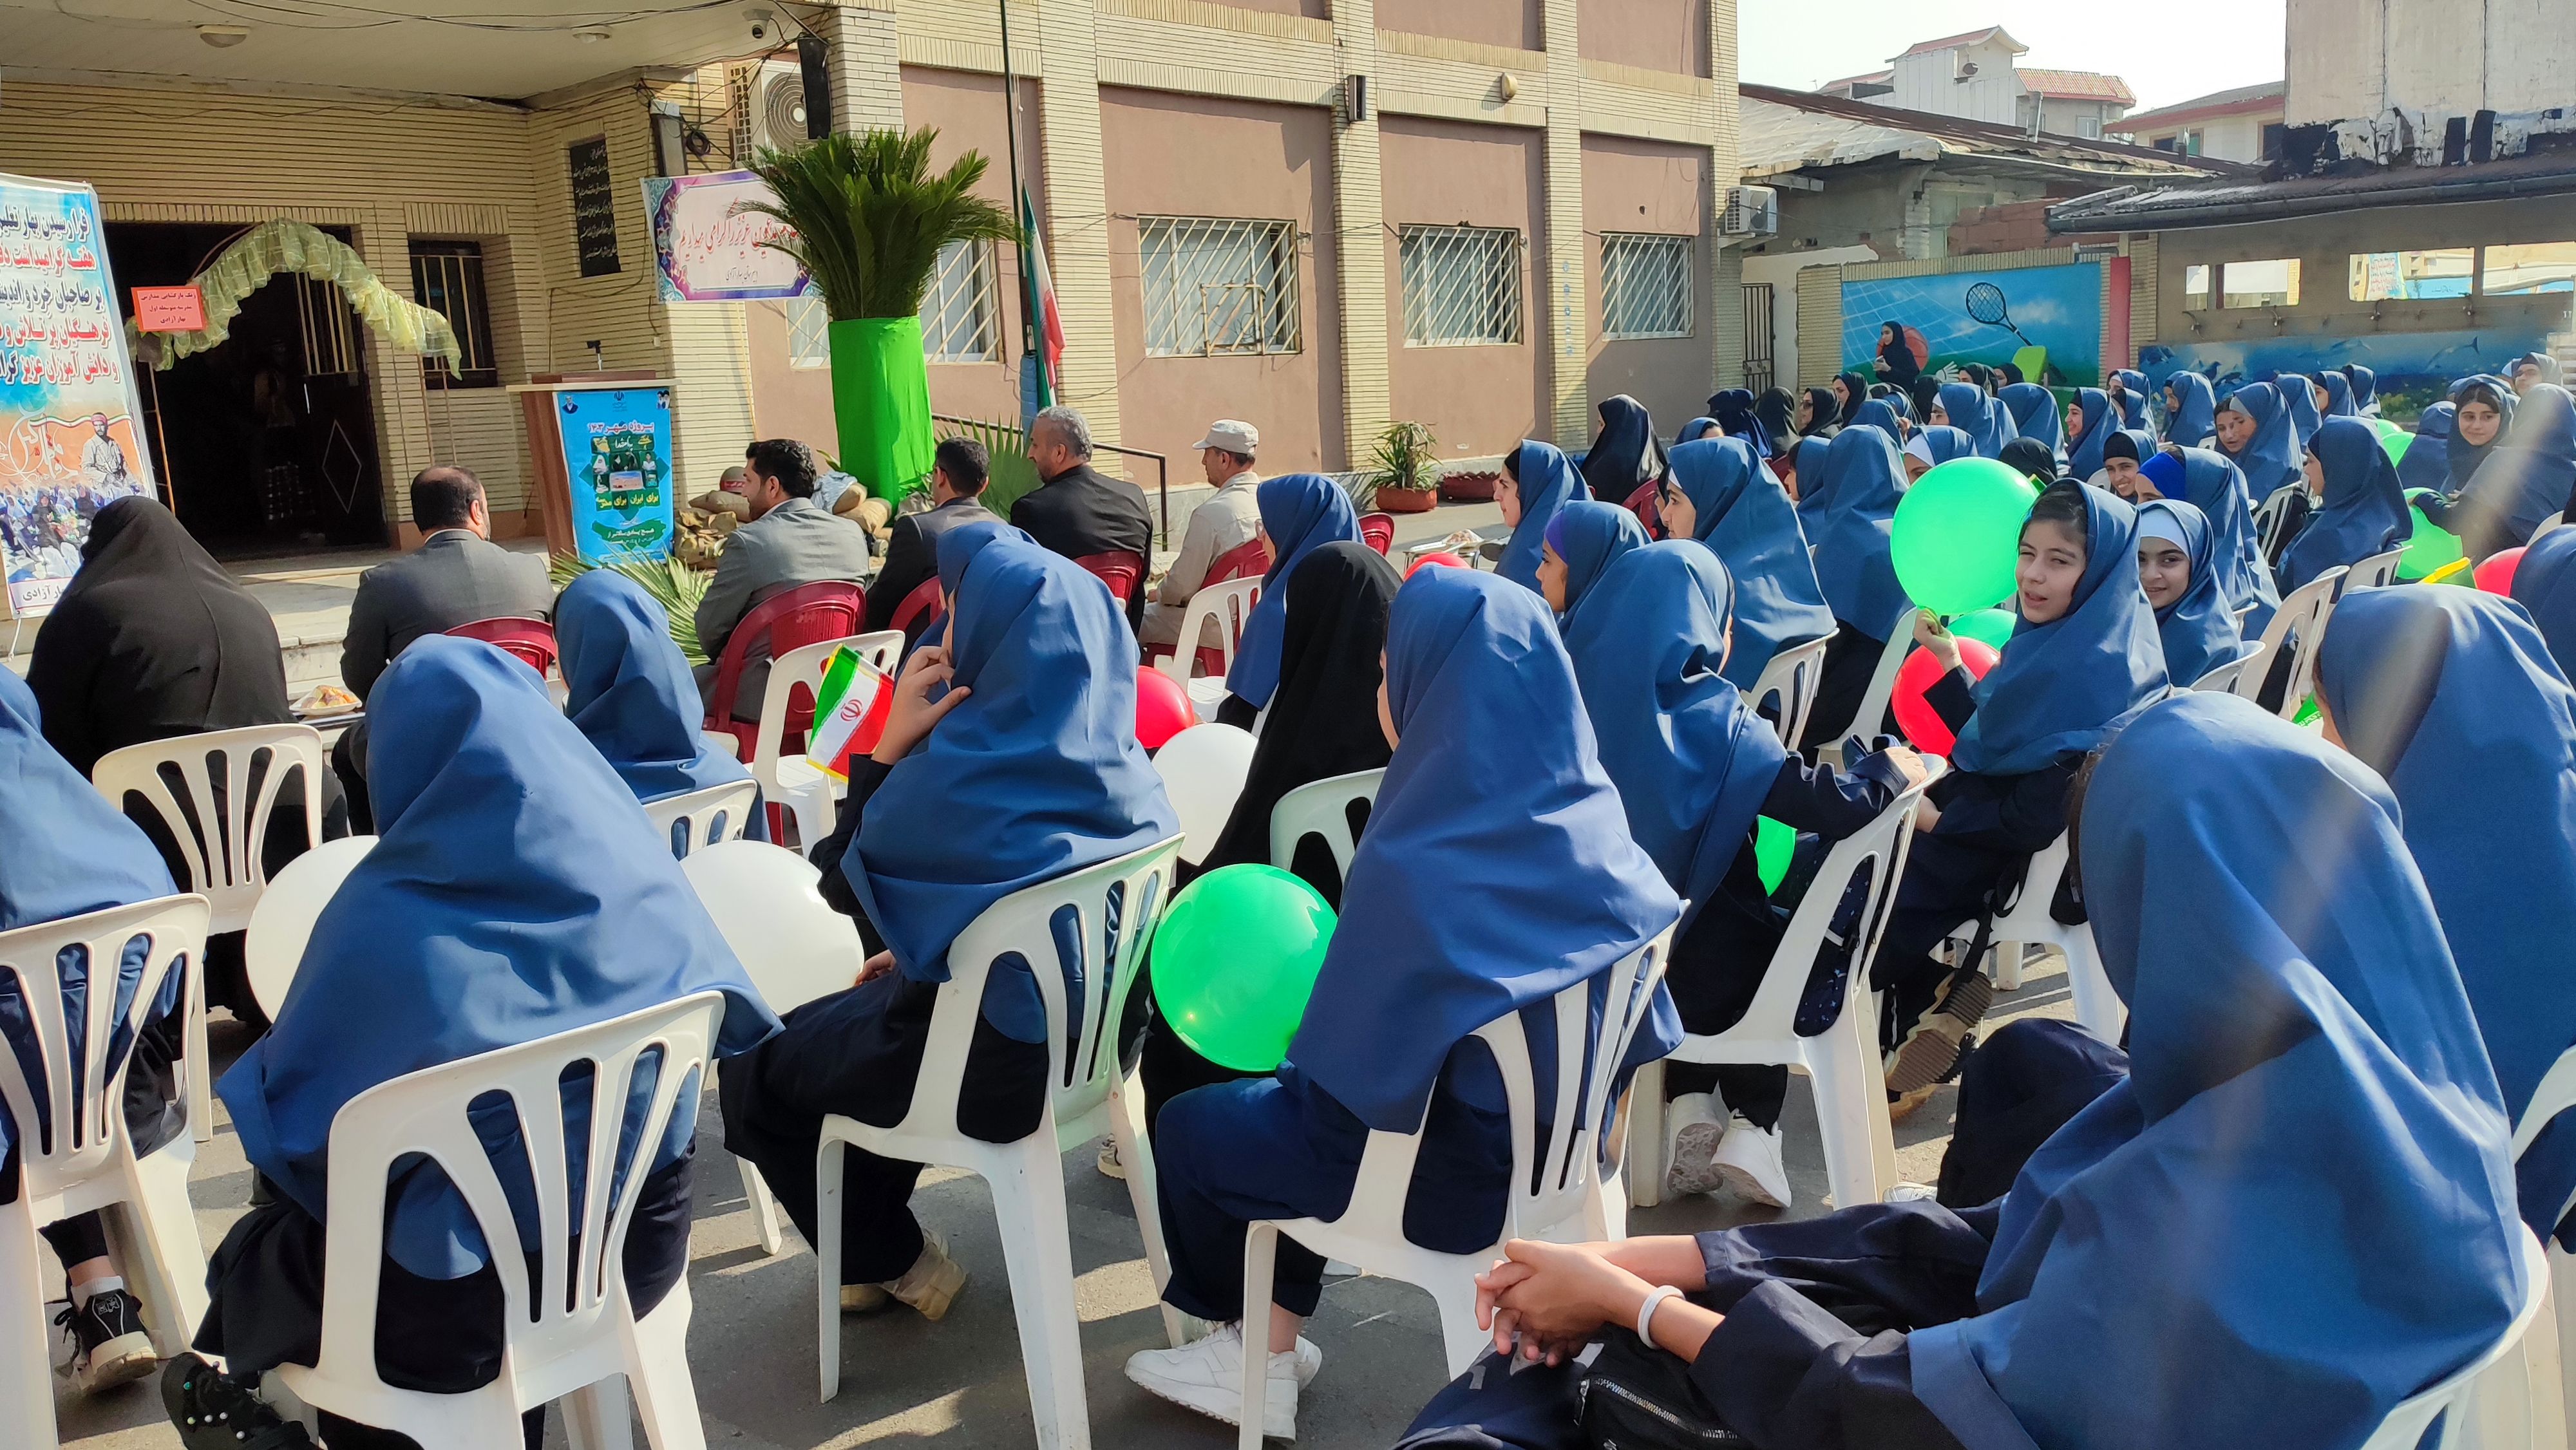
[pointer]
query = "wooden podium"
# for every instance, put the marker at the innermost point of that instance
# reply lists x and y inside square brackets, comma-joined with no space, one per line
[542,406]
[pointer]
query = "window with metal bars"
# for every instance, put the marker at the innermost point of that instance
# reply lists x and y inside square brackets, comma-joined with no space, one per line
[1645,285]
[447,278]
[1462,285]
[809,331]
[1216,286]
[958,312]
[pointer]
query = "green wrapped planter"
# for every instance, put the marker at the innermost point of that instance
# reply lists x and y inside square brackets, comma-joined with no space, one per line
[881,402]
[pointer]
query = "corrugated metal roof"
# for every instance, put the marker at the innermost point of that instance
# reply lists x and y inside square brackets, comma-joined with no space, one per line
[2075,85]
[1847,82]
[2213,104]
[2159,206]
[1973,37]
[1784,130]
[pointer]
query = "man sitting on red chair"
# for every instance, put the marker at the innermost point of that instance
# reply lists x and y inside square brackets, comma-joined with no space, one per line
[1078,513]
[1228,520]
[790,540]
[958,473]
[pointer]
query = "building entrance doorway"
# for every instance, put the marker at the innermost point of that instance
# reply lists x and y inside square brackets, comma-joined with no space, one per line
[266,444]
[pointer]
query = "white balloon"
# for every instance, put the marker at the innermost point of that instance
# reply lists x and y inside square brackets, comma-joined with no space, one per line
[273,949]
[1203,770]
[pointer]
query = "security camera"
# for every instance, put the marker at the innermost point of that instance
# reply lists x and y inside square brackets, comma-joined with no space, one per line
[762,23]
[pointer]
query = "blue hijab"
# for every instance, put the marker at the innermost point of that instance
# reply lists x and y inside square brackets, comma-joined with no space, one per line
[1037,774]
[2364,511]
[1882,414]
[515,892]
[2066,686]
[1982,418]
[2084,451]
[1302,512]
[2465,457]
[1733,410]
[64,852]
[2427,463]
[1589,536]
[1944,443]
[2194,419]
[2303,1192]
[2134,412]
[629,689]
[1695,429]
[2545,584]
[1854,565]
[2338,388]
[1746,521]
[2299,395]
[2528,476]
[1547,483]
[2450,694]
[1490,878]
[1690,758]
[2205,479]
[2035,415]
[2271,458]
[1808,464]
[2198,630]
[2365,389]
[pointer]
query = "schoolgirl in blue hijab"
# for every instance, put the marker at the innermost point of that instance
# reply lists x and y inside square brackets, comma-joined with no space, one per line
[2191,409]
[2134,412]
[1541,482]
[2299,395]
[2427,463]
[2451,695]
[1695,429]
[1887,415]
[2545,584]
[2035,415]
[2491,395]
[1733,410]
[1931,447]
[2365,389]
[1985,421]
[2205,479]
[1807,474]
[629,689]
[1301,512]
[1854,566]
[2197,629]
[2338,388]
[1489,880]
[2523,479]
[1742,518]
[1584,538]
[2095,419]
[2364,508]
[2272,456]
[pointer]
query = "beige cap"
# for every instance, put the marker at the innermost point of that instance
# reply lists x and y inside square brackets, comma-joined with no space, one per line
[1232,436]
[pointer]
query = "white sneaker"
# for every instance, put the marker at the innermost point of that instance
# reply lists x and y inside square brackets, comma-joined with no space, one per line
[1747,1161]
[1696,1125]
[1913,1193]
[1108,1162]
[1206,1375]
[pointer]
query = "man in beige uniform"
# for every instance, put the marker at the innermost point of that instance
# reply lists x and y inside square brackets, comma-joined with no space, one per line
[1229,519]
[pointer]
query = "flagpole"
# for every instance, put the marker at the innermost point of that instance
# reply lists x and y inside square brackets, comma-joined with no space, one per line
[1032,323]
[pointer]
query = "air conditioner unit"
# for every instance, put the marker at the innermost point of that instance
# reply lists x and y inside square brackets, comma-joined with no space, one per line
[1751,211]
[778,108]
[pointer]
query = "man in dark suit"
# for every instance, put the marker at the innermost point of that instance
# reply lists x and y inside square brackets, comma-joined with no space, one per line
[456,576]
[958,473]
[790,540]
[1077,512]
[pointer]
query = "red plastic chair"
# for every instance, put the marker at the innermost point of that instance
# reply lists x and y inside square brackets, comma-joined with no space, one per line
[530,641]
[806,614]
[1121,569]
[1240,562]
[1642,504]
[1378,532]
[923,600]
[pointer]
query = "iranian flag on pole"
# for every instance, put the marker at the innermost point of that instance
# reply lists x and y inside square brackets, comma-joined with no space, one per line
[1041,292]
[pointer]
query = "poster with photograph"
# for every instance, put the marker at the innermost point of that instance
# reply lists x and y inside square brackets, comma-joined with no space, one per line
[617,460]
[69,439]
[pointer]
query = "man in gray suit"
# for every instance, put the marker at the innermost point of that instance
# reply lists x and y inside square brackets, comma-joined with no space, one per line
[456,576]
[790,540]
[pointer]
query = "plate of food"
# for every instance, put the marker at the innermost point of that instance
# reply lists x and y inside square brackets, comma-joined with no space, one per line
[327,702]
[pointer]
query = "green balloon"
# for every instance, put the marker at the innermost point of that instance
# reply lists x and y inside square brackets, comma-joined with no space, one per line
[1988,626]
[1234,961]
[2393,440]
[2430,547]
[1772,845]
[1956,541]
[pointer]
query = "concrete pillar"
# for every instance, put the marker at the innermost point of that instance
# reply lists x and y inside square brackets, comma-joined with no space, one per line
[1725,160]
[1557,273]
[1077,213]
[866,66]
[1359,241]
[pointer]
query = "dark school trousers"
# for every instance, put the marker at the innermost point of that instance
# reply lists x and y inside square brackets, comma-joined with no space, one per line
[2020,1086]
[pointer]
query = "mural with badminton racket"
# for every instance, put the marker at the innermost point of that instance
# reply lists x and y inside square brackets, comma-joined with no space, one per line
[2045,320]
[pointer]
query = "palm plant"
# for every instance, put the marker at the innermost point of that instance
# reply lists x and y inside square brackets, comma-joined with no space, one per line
[674,585]
[869,218]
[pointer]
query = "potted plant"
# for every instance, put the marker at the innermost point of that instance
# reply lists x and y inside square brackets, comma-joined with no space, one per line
[1465,485]
[1405,469]
[868,218]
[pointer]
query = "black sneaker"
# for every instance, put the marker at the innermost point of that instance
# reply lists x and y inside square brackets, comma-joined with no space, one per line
[109,1346]
[214,1411]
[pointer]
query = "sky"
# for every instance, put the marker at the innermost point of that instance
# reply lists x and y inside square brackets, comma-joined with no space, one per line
[2188,48]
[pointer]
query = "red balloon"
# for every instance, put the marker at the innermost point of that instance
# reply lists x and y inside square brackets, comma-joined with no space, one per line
[1163,709]
[2495,575]
[1920,672]
[1444,559]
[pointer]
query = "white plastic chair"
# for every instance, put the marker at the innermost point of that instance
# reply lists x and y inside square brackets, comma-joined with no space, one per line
[793,945]
[78,1155]
[2376,572]
[1842,1063]
[2027,922]
[273,948]
[2499,1403]
[2224,677]
[1882,688]
[793,782]
[571,1334]
[2271,516]
[1223,608]
[1114,906]
[2296,629]
[222,849]
[2554,521]
[1790,679]
[2555,1094]
[1322,808]
[722,742]
[700,818]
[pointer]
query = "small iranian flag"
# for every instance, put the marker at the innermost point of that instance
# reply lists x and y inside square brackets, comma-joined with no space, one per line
[1041,287]
[850,710]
